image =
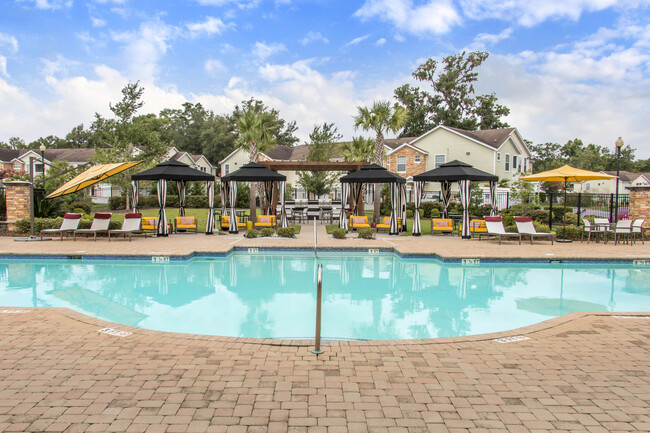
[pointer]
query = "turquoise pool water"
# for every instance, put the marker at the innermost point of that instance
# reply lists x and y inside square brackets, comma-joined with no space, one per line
[272,294]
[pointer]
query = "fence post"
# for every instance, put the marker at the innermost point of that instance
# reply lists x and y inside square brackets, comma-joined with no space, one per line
[611,206]
[550,210]
[579,206]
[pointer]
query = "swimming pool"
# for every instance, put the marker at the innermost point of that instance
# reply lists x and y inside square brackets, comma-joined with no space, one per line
[272,294]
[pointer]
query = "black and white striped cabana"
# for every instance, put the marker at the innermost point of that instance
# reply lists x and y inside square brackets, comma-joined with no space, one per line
[454,171]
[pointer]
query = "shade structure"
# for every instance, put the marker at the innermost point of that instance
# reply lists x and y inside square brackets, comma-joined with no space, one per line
[463,173]
[93,175]
[565,174]
[418,190]
[173,170]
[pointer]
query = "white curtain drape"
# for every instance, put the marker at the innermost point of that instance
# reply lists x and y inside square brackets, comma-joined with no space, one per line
[394,200]
[181,197]
[464,186]
[134,198]
[402,205]
[268,192]
[356,189]
[283,204]
[233,198]
[223,189]
[493,199]
[445,192]
[345,191]
[162,214]
[209,226]
[418,191]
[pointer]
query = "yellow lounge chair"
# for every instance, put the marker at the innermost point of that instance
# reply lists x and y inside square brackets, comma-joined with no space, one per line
[358,222]
[225,223]
[150,225]
[442,225]
[265,221]
[475,227]
[385,223]
[185,223]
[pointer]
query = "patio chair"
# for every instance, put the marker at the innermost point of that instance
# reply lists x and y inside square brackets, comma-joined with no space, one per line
[385,223]
[602,226]
[526,227]
[131,225]
[442,225]
[587,228]
[622,228]
[100,224]
[185,223]
[475,227]
[637,227]
[495,229]
[358,222]
[68,225]
[225,223]
[265,221]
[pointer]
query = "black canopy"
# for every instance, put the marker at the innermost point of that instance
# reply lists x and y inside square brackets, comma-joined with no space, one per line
[372,173]
[455,171]
[173,170]
[253,172]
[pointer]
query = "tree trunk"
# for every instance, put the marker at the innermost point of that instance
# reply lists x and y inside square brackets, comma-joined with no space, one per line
[379,160]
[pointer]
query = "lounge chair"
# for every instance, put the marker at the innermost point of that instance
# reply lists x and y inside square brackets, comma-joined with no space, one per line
[475,227]
[149,224]
[385,224]
[442,225]
[225,223]
[622,228]
[131,225]
[358,222]
[265,221]
[185,223]
[69,224]
[637,227]
[100,224]
[526,227]
[589,229]
[495,228]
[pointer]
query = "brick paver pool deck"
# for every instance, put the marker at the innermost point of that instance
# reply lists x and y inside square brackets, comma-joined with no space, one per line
[582,372]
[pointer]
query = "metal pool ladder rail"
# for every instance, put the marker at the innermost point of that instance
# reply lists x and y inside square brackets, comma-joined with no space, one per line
[319,295]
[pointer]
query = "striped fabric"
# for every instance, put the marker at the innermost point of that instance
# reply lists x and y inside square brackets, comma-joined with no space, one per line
[283,205]
[268,193]
[223,189]
[134,198]
[233,198]
[445,192]
[418,189]
[356,189]
[180,184]
[345,191]
[209,226]
[162,215]
[493,199]
[464,186]
[402,205]
[394,199]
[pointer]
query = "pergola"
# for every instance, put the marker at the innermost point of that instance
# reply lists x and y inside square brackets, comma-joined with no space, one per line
[453,171]
[253,172]
[374,173]
[181,173]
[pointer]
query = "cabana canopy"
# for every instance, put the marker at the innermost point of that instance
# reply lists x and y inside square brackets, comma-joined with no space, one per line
[454,171]
[181,174]
[372,173]
[254,172]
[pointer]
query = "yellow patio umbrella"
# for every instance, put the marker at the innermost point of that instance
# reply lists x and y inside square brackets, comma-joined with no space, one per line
[565,174]
[93,175]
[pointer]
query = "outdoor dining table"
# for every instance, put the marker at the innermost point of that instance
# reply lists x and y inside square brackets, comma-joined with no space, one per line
[602,228]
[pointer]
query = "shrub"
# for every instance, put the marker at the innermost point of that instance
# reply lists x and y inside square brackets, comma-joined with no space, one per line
[409,213]
[117,202]
[80,205]
[435,213]
[252,234]
[542,228]
[22,226]
[286,232]
[482,211]
[386,207]
[568,232]
[366,233]
[427,207]
[410,206]
[339,233]
[267,231]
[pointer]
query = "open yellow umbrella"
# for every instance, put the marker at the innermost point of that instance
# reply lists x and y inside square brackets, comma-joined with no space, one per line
[565,174]
[93,175]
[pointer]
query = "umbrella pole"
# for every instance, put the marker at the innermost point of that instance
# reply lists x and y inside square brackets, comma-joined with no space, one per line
[564,239]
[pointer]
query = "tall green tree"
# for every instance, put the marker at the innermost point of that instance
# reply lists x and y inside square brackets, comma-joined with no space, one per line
[321,148]
[453,101]
[359,149]
[381,118]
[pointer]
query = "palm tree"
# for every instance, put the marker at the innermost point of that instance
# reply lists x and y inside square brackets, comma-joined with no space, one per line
[257,131]
[359,149]
[381,118]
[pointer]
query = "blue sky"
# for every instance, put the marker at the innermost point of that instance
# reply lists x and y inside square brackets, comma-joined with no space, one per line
[566,68]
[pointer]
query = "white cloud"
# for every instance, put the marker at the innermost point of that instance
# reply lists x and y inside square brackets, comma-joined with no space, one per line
[10,41]
[482,40]
[356,41]
[97,22]
[3,66]
[242,4]
[431,17]
[210,26]
[212,66]
[380,42]
[49,4]
[263,51]
[313,37]
[532,12]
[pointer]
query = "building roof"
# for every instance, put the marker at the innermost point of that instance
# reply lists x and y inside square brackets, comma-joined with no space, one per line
[7,155]
[492,137]
[394,143]
[627,176]
[70,155]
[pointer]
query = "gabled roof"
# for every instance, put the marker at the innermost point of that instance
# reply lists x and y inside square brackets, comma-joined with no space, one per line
[7,155]
[70,155]
[407,144]
[492,137]
[625,176]
[394,143]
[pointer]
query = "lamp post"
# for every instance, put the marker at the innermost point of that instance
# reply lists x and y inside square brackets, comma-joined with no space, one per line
[32,200]
[619,144]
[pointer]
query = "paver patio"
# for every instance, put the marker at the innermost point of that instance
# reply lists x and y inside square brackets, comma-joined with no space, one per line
[583,372]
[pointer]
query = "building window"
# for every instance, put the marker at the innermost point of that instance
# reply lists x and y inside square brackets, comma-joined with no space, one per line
[401,164]
[588,186]
[38,168]
[439,160]
[514,162]
[17,166]
[226,169]
[498,156]
[507,162]
[416,159]
[525,165]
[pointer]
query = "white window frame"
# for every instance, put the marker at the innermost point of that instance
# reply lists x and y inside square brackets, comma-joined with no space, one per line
[417,159]
[525,165]
[435,160]
[498,156]
[226,169]
[398,164]
[17,166]
[507,162]
[515,163]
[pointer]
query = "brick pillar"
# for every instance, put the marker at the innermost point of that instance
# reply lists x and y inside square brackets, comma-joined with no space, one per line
[18,201]
[640,203]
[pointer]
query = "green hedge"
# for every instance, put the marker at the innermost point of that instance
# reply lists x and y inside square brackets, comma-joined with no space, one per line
[22,226]
[151,201]
[286,232]
[339,233]
[365,233]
